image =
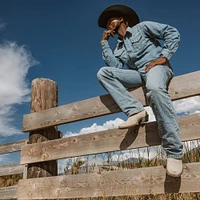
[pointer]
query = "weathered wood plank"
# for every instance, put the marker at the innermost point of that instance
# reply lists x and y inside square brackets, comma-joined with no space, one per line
[106,141]
[8,192]
[44,95]
[104,105]
[151,180]
[11,169]
[11,147]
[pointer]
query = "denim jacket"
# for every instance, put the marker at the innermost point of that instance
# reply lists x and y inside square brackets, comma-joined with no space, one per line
[140,45]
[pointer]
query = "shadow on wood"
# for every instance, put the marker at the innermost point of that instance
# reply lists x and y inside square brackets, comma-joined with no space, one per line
[152,135]
[130,137]
[172,184]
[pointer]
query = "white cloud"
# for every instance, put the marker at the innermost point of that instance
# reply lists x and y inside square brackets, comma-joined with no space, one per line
[15,62]
[188,106]
[95,128]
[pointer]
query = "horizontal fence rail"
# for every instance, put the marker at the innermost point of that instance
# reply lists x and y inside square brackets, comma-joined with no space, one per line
[106,141]
[12,147]
[151,180]
[8,192]
[11,169]
[104,105]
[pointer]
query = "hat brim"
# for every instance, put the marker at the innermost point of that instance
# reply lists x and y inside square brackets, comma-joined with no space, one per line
[118,11]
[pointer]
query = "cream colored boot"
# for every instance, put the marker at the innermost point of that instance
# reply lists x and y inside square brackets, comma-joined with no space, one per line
[174,167]
[134,120]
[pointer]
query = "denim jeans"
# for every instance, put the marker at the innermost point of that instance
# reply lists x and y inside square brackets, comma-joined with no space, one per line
[116,81]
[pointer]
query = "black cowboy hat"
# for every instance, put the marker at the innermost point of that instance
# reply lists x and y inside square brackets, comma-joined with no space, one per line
[118,11]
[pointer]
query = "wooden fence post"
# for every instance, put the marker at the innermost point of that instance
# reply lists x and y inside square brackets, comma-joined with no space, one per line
[44,96]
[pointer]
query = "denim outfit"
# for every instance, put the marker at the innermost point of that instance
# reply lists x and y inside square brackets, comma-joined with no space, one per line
[136,50]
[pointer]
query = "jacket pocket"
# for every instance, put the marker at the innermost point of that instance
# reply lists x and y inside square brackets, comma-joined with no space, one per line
[121,54]
[118,52]
[136,39]
[137,42]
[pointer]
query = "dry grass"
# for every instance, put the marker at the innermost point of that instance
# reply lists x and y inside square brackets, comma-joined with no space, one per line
[10,180]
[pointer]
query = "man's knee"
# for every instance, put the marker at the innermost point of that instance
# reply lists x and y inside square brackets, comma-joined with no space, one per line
[154,89]
[102,73]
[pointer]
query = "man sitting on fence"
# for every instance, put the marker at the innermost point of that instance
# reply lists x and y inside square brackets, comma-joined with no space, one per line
[147,64]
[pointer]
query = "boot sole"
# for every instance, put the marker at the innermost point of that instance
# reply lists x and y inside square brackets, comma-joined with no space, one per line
[142,122]
[176,176]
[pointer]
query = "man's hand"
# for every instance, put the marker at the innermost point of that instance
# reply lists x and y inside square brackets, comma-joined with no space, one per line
[107,34]
[153,63]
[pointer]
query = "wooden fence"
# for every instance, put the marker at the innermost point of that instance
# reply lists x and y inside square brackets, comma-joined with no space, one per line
[11,192]
[150,180]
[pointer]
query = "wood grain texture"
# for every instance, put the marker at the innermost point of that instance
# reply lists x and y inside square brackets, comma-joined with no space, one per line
[8,192]
[151,180]
[11,147]
[106,141]
[44,95]
[11,169]
[104,105]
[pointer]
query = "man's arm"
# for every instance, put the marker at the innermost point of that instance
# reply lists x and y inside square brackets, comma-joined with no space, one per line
[168,34]
[107,53]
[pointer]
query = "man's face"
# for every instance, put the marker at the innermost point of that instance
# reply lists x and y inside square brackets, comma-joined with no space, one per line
[114,24]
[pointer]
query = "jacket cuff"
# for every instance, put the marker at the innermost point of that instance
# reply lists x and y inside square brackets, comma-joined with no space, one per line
[104,44]
[165,53]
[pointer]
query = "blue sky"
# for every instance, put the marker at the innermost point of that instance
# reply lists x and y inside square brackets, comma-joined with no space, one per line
[64,39]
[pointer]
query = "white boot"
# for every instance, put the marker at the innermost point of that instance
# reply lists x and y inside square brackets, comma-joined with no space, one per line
[174,167]
[134,120]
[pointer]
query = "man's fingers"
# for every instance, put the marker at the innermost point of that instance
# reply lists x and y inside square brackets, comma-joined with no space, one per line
[112,34]
[107,34]
[148,67]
